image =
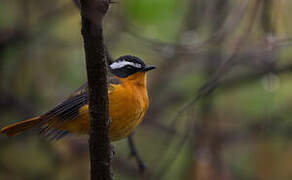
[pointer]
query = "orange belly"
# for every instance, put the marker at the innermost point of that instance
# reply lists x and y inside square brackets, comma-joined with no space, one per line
[126,109]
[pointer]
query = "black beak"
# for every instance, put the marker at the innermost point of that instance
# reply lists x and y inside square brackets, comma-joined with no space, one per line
[148,68]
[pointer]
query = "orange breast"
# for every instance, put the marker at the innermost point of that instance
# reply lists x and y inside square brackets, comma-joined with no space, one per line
[127,107]
[128,103]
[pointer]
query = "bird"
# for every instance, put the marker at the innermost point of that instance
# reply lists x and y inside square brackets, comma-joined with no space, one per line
[128,103]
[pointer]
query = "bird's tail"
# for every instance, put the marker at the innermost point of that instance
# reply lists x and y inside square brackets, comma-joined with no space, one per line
[20,127]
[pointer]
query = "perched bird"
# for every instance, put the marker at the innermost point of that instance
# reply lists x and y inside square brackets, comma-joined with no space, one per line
[128,103]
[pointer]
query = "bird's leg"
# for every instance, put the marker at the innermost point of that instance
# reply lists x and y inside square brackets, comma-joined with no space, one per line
[134,153]
[112,149]
[112,155]
[109,122]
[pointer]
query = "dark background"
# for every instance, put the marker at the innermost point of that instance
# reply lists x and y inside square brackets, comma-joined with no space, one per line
[220,98]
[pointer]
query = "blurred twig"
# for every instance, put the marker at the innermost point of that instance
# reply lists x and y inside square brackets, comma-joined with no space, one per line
[231,22]
[134,153]
[212,84]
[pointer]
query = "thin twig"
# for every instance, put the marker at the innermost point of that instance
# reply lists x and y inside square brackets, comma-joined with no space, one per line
[134,153]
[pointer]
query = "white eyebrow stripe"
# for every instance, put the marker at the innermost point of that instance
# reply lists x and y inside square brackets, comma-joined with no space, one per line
[120,64]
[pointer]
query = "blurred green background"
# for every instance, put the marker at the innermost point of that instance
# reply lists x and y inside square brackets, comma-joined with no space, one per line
[220,98]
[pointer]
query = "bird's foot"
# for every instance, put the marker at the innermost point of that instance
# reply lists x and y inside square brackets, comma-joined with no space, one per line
[112,151]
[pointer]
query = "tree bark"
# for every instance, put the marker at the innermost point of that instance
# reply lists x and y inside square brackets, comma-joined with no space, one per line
[92,13]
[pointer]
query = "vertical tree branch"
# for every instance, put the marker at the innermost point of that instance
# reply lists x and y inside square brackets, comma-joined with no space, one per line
[92,13]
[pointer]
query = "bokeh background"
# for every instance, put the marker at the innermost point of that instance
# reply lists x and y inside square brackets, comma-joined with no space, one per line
[220,99]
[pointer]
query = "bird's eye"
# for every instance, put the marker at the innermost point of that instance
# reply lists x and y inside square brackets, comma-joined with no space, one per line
[129,67]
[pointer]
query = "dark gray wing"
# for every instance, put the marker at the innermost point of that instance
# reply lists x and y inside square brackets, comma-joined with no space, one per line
[63,112]
[67,110]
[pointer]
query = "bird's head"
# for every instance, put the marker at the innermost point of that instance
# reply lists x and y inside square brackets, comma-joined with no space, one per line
[125,66]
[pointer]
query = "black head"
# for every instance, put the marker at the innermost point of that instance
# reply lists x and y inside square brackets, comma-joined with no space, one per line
[125,66]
